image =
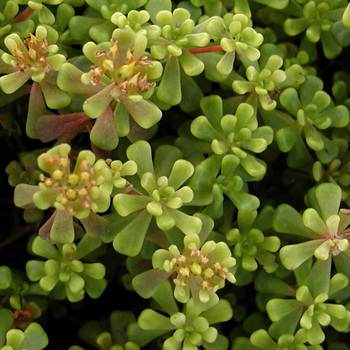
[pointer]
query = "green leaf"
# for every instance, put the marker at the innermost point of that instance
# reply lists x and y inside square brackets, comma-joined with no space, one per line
[191,94]
[152,320]
[141,153]
[144,112]
[331,48]
[292,256]
[313,138]
[169,90]
[45,249]
[346,16]
[35,337]
[35,270]
[13,81]
[279,308]
[181,171]
[318,280]
[6,320]
[294,26]
[328,198]
[23,195]
[286,137]
[125,204]
[155,6]
[186,223]
[191,65]
[286,325]
[252,166]
[312,220]
[221,312]
[129,241]
[263,340]
[288,220]
[5,277]
[62,230]
[290,100]
[97,104]
[164,158]
[69,79]
[55,98]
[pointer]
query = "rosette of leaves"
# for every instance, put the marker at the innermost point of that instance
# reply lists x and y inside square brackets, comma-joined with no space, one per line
[217,177]
[108,334]
[190,329]
[250,245]
[18,303]
[262,83]
[74,193]
[237,134]
[178,35]
[138,21]
[119,170]
[25,171]
[295,59]
[338,172]
[311,307]
[99,27]
[261,339]
[157,192]
[323,227]
[9,9]
[45,15]
[35,59]
[341,88]
[320,19]
[119,76]
[63,274]
[33,338]
[312,111]
[200,270]
[237,38]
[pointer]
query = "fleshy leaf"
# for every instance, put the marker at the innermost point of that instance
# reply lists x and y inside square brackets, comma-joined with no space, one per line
[146,283]
[169,90]
[104,133]
[292,256]
[129,241]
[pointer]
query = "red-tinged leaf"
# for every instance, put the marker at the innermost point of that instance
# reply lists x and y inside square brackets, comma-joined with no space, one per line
[104,133]
[146,283]
[36,108]
[50,127]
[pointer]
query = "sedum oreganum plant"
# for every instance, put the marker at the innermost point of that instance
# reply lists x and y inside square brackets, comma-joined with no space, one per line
[175,174]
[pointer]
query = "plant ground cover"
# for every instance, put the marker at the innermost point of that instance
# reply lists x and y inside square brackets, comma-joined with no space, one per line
[175,174]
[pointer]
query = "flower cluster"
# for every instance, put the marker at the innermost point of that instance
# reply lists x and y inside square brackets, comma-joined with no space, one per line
[207,266]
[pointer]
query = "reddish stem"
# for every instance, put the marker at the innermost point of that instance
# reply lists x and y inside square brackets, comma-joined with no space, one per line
[24,15]
[22,232]
[197,50]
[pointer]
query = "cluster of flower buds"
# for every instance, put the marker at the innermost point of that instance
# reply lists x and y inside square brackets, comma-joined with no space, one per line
[86,189]
[207,267]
